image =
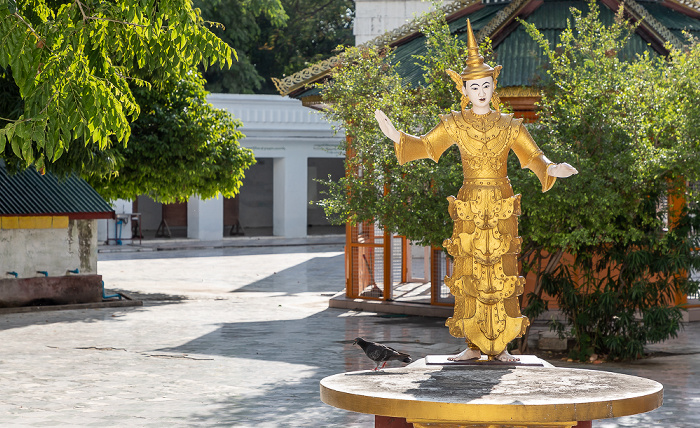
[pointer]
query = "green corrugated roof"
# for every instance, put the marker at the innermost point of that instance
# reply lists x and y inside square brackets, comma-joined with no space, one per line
[30,193]
[519,55]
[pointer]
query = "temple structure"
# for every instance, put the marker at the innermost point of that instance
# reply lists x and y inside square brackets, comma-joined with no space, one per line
[379,266]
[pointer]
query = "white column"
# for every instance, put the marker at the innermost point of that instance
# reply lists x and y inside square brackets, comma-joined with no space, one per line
[205,218]
[289,196]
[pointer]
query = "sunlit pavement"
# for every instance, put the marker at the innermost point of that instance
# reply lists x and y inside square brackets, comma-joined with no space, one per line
[238,337]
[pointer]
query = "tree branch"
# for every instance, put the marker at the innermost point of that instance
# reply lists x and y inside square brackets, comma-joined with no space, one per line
[97,18]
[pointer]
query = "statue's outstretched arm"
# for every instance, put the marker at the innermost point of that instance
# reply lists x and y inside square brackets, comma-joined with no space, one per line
[410,147]
[531,157]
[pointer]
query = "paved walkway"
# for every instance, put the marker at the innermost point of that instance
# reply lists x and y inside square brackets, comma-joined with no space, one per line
[237,336]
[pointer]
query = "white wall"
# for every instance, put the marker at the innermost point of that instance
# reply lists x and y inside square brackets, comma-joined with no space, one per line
[375,17]
[106,228]
[282,129]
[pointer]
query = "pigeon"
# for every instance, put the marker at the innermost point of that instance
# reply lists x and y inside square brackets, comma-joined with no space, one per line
[380,353]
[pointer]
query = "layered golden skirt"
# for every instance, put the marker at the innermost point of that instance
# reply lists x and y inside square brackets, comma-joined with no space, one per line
[485,281]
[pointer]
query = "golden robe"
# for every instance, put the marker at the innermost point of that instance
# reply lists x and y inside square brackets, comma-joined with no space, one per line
[485,241]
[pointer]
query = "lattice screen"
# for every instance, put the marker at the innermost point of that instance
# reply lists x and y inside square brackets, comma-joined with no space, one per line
[441,266]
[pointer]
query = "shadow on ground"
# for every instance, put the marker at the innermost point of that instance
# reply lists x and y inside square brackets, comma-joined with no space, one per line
[21,320]
[218,252]
[152,298]
[311,348]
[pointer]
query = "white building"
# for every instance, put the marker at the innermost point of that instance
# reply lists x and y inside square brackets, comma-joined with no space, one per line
[293,146]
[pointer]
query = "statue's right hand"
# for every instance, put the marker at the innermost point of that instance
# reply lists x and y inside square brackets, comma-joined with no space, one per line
[386,126]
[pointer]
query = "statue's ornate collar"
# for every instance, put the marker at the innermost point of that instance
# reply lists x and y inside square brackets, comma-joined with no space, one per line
[470,117]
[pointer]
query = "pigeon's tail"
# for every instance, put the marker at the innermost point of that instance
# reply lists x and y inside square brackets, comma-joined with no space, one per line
[407,360]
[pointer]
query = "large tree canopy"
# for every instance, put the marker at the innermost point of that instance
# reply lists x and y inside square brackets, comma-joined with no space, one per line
[240,27]
[275,37]
[180,145]
[627,124]
[72,62]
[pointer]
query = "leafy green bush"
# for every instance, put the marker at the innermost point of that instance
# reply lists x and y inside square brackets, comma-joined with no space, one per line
[617,120]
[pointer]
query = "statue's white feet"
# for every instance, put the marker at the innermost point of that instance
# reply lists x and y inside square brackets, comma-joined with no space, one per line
[467,354]
[505,356]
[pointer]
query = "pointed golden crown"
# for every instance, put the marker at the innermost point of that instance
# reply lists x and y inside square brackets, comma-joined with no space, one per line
[475,69]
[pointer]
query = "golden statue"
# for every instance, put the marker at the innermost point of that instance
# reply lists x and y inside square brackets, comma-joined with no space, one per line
[485,241]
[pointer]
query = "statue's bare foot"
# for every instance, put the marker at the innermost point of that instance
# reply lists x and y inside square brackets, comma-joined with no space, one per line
[467,354]
[505,356]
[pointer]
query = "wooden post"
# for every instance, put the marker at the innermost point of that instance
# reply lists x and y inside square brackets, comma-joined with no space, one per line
[349,292]
[387,266]
[676,203]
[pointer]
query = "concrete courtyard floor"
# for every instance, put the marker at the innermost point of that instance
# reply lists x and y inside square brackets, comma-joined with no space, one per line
[239,336]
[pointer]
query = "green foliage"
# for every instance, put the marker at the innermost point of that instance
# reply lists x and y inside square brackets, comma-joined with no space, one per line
[618,120]
[312,33]
[629,125]
[617,298]
[180,146]
[239,27]
[275,38]
[72,63]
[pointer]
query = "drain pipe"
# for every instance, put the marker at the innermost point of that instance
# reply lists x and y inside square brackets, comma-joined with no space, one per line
[75,271]
[118,223]
[104,296]
[43,272]
[15,274]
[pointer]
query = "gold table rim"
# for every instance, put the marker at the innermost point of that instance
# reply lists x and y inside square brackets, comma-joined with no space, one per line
[450,412]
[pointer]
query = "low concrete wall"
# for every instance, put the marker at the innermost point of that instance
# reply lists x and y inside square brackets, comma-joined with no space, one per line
[51,247]
[44,291]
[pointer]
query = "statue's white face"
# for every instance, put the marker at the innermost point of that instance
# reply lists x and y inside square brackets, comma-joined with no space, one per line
[479,92]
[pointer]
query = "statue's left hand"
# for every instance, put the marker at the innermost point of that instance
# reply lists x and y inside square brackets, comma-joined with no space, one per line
[386,126]
[561,170]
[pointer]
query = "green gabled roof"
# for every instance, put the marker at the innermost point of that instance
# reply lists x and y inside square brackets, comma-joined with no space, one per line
[515,50]
[30,193]
[518,53]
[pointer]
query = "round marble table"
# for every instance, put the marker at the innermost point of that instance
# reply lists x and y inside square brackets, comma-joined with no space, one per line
[491,396]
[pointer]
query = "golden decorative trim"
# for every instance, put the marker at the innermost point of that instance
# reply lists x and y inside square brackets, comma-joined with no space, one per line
[431,424]
[301,78]
[653,23]
[518,91]
[501,17]
[307,75]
